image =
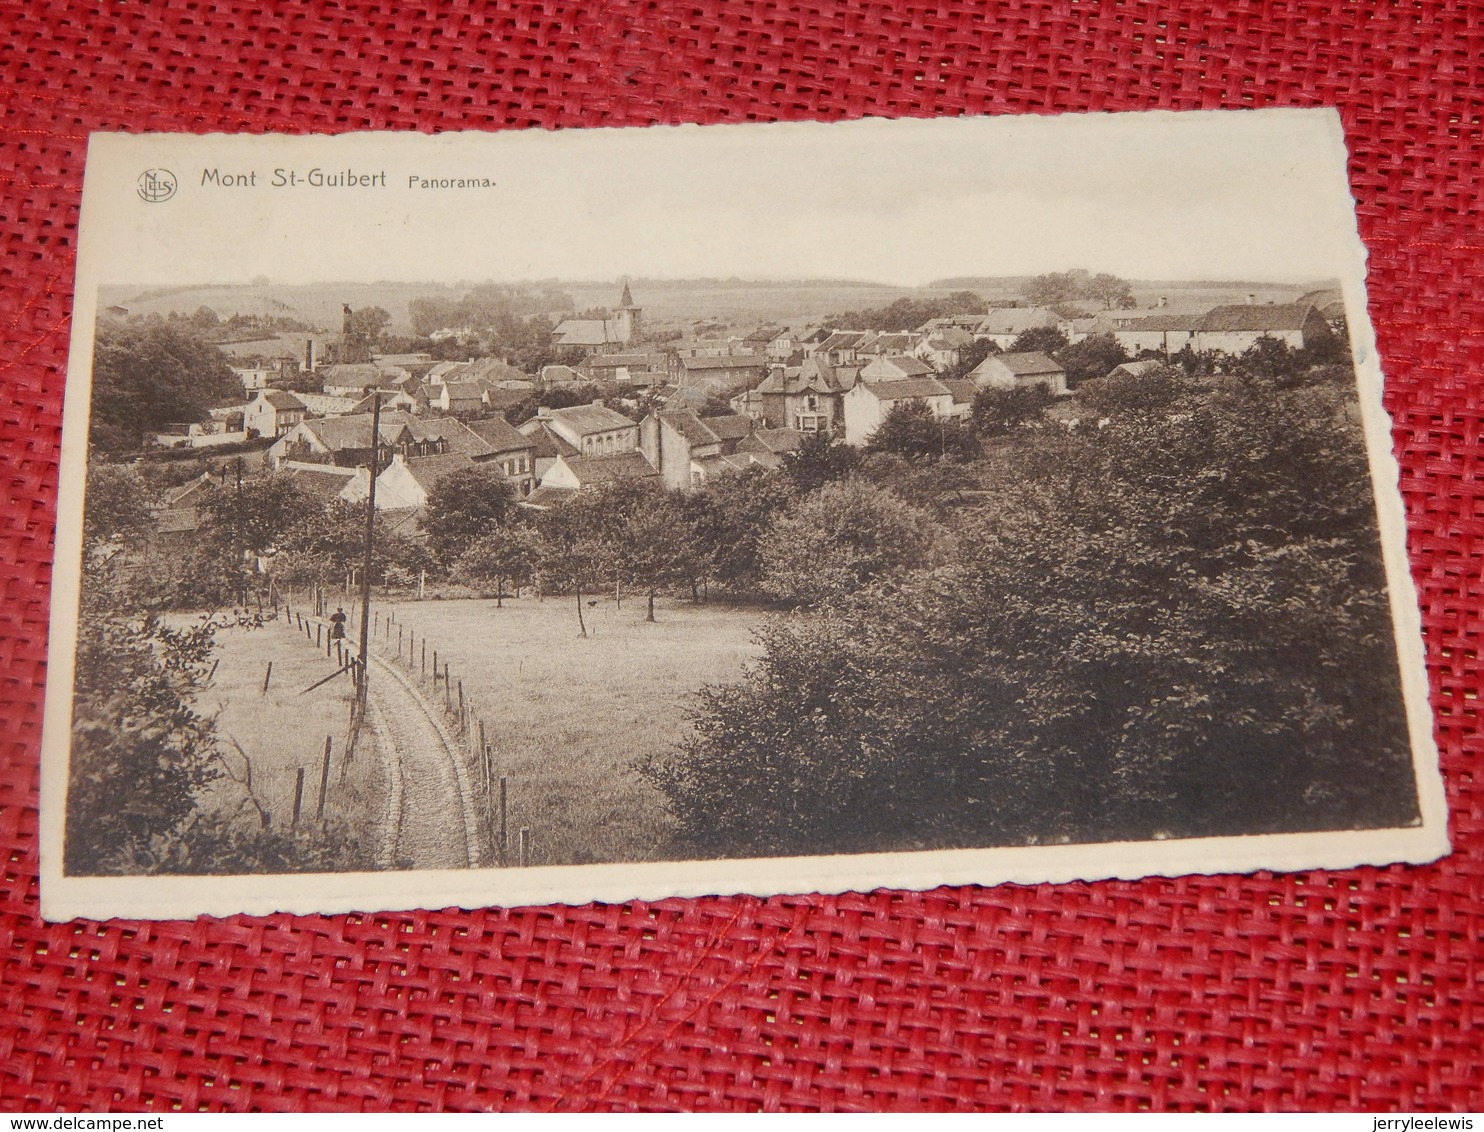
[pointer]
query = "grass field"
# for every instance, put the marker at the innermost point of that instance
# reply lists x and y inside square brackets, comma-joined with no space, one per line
[285,729]
[568,717]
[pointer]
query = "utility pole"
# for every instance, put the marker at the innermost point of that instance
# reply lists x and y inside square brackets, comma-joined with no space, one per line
[371,462]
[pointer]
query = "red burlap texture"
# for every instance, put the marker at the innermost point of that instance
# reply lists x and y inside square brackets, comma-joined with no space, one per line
[1317,991]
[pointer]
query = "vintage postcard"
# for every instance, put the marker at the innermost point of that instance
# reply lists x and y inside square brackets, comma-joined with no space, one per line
[533,517]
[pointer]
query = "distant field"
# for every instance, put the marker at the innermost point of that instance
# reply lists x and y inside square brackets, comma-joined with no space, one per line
[568,717]
[319,304]
[751,305]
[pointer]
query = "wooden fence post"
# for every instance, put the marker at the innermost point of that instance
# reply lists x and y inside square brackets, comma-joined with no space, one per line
[425,656]
[267,676]
[298,796]
[324,780]
[504,822]
[525,843]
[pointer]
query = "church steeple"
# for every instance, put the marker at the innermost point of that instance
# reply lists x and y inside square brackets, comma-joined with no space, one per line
[627,316]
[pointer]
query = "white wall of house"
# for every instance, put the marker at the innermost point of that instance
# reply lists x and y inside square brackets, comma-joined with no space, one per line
[864,411]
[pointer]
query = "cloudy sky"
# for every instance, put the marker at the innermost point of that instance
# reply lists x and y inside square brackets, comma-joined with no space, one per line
[1233,195]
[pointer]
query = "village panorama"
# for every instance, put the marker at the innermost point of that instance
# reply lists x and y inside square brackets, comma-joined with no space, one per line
[548,574]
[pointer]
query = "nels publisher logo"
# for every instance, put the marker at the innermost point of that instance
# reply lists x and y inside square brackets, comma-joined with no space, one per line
[156,185]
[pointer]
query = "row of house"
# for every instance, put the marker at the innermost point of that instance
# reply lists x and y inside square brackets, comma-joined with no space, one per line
[853,399]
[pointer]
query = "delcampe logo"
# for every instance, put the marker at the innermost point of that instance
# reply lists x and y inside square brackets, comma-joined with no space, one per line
[156,185]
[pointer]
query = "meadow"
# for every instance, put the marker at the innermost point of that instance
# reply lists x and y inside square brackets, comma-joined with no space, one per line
[284,729]
[568,717]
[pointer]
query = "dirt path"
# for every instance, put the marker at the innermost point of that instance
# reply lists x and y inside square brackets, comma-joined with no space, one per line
[430,811]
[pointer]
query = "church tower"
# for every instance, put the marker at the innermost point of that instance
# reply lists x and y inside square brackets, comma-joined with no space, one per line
[627,317]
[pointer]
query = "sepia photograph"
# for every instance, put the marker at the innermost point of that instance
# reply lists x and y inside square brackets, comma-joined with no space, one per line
[545,517]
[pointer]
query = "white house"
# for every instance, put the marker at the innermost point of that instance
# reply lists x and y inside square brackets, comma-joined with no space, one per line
[272,412]
[868,403]
[1019,371]
[1236,329]
[594,430]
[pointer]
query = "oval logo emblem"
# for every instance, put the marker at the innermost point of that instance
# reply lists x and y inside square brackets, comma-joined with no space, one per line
[156,185]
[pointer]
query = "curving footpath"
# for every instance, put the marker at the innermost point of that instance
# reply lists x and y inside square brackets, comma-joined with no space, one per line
[431,819]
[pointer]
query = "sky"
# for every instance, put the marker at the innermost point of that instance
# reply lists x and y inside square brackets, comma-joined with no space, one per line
[1205,195]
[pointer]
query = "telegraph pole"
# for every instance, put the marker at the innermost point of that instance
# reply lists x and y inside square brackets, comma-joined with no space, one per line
[371,462]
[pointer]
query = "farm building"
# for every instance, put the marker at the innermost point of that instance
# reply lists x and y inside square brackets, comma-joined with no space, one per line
[868,403]
[1020,371]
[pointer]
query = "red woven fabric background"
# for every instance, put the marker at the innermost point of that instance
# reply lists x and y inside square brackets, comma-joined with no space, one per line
[1326,990]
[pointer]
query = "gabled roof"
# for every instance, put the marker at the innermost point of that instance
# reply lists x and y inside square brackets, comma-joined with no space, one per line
[464,391]
[583,332]
[843,340]
[728,426]
[1265,317]
[771,440]
[282,400]
[1021,365]
[546,442]
[189,494]
[607,469]
[1136,369]
[908,390]
[950,338]
[1165,322]
[691,428]
[733,361]
[339,433]
[908,366]
[614,361]
[963,390]
[560,373]
[893,343]
[322,481]
[443,370]
[1016,320]
[500,435]
[588,419]
[428,470]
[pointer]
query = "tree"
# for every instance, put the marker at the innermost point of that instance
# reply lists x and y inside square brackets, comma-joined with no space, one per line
[1045,339]
[1062,287]
[504,554]
[728,517]
[655,547]
[576,548]
[114,507]
[912,431]
[835,541]
[368,323]
[1055,288]
[999,412]
[1112,647]
[140,751]
[1109,291]
[463,506]
[150,375]
[819,459]
[1095,356]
